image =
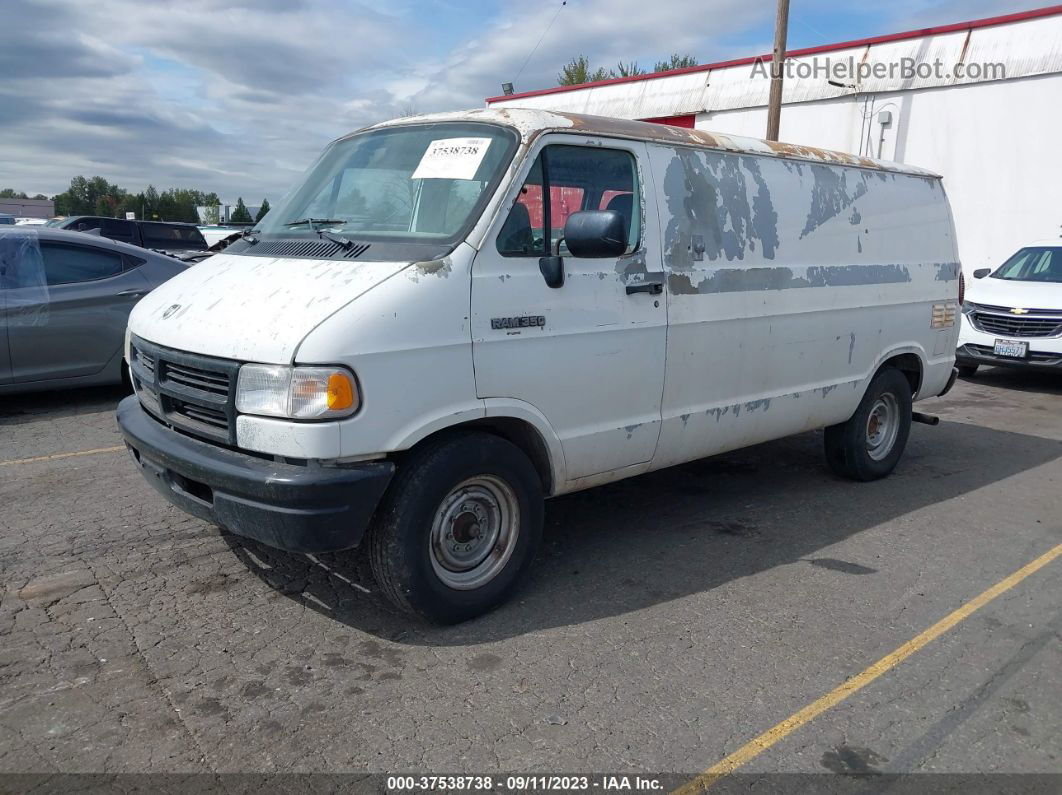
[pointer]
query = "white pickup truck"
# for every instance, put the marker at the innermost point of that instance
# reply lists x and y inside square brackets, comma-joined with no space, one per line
[455,316]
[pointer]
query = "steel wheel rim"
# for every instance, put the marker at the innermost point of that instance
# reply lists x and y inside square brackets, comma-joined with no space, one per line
[883,426]
[474,532]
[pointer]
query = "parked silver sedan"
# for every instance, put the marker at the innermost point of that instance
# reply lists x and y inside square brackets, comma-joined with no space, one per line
[65,299]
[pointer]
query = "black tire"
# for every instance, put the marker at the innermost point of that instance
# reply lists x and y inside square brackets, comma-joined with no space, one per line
[400,540]
[967,370]
[848,446]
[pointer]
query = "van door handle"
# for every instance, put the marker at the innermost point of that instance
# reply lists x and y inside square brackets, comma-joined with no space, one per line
[133,293]
[653,288]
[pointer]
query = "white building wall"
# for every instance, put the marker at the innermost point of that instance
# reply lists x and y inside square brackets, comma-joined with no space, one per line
[998,143]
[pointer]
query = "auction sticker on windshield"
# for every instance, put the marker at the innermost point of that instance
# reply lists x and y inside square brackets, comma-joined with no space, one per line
[452,158]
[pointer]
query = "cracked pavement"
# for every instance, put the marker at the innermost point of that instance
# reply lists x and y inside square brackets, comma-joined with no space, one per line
[667,620]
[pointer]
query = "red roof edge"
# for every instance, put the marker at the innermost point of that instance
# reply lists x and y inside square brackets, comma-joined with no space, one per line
[988,22]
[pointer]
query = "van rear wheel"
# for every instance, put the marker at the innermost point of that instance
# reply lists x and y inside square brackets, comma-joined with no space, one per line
[457,528]
[869,445]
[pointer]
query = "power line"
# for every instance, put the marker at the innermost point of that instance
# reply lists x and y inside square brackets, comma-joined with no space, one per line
[535,48]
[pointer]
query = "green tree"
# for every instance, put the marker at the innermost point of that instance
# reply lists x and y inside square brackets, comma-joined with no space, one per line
[627,70]
[106,206]
[11,193]
[262,210]
[151,203]
[240,214]
[577,71]
[677,62]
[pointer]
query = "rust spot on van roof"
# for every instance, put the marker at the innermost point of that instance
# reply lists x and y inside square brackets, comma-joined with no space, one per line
[532,122]
[630,128]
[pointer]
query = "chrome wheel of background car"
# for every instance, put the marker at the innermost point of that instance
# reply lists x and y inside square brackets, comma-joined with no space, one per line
[474,532]
[882,426]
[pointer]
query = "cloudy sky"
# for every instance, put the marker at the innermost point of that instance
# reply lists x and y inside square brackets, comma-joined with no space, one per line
[238,96]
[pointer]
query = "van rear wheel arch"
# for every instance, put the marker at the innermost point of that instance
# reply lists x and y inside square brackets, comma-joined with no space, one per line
[870,443]
[910,364]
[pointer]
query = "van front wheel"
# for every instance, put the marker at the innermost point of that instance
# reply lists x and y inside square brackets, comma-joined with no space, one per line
[869,445]
[457,528]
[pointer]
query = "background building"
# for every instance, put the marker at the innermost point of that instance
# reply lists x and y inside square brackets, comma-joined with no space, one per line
[984,109]
[28,208]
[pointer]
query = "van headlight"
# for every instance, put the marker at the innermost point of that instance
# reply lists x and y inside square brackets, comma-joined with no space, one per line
[298,393]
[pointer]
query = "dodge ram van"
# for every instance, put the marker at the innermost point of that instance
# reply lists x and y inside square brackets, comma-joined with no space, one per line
[455,316]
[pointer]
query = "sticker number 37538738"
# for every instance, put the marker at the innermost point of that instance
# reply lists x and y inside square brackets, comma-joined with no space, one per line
[452,158]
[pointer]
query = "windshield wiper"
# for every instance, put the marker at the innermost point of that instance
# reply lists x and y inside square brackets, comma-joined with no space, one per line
[345,242]
[311,221]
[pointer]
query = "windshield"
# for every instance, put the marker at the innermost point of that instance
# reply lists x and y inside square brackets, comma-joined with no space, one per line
[408,184]
[1033,264]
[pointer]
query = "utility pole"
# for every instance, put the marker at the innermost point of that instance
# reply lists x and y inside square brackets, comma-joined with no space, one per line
[774,105]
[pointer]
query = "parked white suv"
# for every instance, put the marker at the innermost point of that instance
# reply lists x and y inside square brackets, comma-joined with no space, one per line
[1013,317]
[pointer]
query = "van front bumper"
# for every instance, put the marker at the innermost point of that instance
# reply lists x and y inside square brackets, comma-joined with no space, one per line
[307,508]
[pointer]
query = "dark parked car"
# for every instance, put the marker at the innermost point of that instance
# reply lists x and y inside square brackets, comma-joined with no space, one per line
[158,235]
[65,299]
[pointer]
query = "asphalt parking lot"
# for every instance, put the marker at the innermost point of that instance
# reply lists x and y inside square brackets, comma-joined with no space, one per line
[668,620]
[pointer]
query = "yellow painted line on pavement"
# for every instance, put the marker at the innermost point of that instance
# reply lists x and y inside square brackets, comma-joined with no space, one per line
[57,456]
[758,745]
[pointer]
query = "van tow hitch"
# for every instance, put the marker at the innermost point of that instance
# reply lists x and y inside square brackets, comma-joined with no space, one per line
[925,419]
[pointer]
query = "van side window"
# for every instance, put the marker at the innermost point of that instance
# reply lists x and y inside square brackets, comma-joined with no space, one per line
[576,178]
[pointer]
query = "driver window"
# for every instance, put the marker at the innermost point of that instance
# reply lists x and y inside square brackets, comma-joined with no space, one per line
[575,178]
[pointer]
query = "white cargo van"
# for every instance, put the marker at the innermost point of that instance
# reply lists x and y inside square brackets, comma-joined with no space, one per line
[455,316]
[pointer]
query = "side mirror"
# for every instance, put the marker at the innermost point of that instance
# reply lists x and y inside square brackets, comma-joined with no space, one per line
[552,270]
[980,273]
[596,233]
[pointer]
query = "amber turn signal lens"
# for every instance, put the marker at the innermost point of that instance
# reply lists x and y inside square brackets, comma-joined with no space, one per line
[340,392]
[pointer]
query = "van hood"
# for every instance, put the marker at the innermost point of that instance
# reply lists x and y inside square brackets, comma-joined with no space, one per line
[255,309]
[1012,293]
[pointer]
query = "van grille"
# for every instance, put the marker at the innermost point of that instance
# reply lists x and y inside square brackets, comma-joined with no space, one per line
[310,249]
[1017,325]
[192,393]
[195,378]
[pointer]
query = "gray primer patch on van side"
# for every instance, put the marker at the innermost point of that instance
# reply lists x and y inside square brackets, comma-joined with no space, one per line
[632,264]
[708,194]
[739,280]
[830,195]
[764,216]
[691,204]
[947,271]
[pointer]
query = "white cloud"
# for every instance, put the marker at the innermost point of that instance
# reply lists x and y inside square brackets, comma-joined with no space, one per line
[238,96]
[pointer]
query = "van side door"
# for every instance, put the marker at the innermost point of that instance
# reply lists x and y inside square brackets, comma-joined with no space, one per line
[589,354]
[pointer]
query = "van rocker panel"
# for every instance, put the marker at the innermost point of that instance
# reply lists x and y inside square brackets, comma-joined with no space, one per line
[287,506]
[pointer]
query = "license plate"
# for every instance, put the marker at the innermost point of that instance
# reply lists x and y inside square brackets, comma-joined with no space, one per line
[1012,348]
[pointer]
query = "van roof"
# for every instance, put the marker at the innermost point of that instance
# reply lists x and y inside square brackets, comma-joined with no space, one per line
[533,122]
